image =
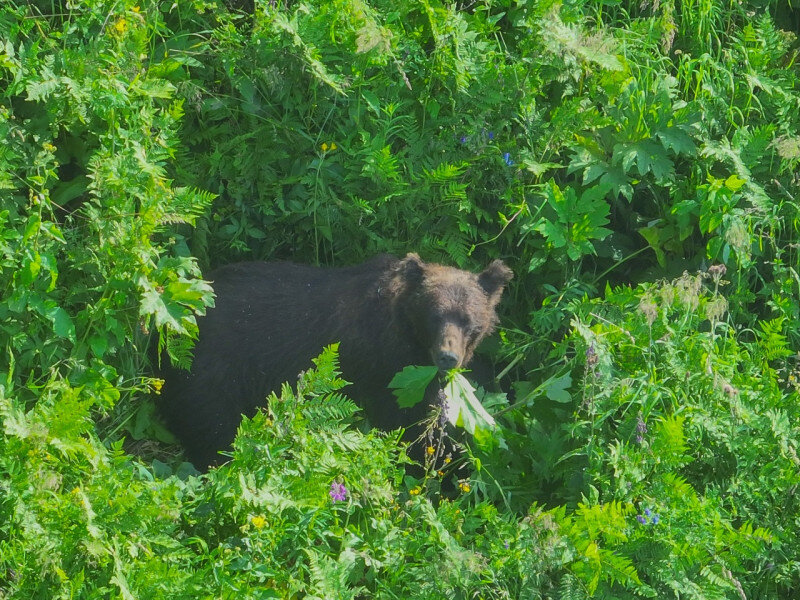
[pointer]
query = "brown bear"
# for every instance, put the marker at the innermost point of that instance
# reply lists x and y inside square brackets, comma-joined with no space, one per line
[272,318]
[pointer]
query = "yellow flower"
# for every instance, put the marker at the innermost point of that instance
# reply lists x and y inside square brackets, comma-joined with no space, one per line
[157,385]
[415,491]
[324,147]
[464,486]
[430,450]
[333,146]
[448,460]
[121,25]
[440,473]
[258,521]
[135,9]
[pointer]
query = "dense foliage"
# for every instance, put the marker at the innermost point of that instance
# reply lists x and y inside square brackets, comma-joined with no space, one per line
[635,163]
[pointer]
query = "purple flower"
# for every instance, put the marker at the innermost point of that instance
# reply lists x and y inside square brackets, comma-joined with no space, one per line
[463,139]
[655,520]
[491,135]
[338,492]
[647,512]
[641,429]
[641,519]
[507,159]
[506,545]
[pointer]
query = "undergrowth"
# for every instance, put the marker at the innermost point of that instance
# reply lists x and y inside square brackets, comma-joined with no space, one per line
[634,163]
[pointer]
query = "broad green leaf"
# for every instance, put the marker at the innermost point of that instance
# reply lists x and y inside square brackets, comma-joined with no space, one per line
[556,388]
[734,183]
[62,323]
[409,385]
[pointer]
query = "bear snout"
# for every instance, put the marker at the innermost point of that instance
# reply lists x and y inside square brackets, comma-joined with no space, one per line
[448,352]
[447,360]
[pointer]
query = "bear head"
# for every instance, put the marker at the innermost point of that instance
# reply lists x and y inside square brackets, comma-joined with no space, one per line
[449,310]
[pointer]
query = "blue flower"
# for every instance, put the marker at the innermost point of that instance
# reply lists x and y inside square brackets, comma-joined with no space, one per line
[507,159]
[641,519]
[491,135]
[647,512]
[655,520]
[463,139]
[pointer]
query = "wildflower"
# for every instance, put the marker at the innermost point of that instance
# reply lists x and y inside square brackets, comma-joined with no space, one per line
[506,545]
[717,271]
[324,146]
[333,146]
[730,390]
[415,491]
[338,492]
[491,135]
[135,9]
[440,473]
[507,159]
[463,139]
[647,512]
[430,450]
[649,309]
[258,521]
[716,308]
[641,429]
[655,520]
[448,460]
[157,385]
[121,25]
[591,356]
[641,519]
[464,486]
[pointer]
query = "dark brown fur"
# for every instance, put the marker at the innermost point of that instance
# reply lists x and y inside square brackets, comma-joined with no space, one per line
[271,319]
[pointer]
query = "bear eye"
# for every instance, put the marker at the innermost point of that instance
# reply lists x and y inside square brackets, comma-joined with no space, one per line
[464,322]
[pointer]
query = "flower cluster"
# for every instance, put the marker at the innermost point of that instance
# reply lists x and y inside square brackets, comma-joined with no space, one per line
[648,517]
[338,492]
[641,429]
[258,521]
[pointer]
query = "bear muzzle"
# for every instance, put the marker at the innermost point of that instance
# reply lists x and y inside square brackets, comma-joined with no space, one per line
[448,353]
[447,360]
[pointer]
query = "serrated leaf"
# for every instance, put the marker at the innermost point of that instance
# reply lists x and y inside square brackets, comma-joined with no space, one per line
[554,232]
[538,168]
[650,157]
[463,409]
[409,385]
[677,140]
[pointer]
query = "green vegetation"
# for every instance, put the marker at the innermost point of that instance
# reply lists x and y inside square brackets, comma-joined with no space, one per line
[635,163]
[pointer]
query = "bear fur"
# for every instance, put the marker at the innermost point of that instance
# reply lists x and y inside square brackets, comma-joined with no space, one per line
[272,318]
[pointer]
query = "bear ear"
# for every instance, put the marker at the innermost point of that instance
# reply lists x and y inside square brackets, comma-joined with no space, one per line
[412,268]
[494,278]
